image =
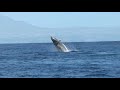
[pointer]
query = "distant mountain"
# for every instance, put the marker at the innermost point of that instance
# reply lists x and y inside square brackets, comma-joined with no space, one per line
[19,31]
[12,31]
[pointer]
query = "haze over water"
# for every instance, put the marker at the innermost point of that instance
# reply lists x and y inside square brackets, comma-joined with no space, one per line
[36,27]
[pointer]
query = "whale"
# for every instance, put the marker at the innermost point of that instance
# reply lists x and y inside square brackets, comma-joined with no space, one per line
[59,45]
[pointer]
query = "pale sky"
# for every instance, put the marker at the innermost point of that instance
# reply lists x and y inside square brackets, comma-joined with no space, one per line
[67,19]
[62,22]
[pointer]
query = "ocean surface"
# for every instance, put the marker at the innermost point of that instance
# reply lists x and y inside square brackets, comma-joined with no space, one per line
[42,60]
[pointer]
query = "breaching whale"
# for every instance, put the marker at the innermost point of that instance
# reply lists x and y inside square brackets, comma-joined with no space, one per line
[59,45]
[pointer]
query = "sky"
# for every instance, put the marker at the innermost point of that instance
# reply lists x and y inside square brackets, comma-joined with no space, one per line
[63,21]
[67,19]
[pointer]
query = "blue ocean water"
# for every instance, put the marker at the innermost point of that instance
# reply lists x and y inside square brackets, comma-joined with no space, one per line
[42,60]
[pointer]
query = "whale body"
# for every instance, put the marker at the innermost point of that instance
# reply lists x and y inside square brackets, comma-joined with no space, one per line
[59,45]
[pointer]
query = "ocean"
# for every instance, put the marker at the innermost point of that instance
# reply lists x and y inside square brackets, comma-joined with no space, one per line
[42,60]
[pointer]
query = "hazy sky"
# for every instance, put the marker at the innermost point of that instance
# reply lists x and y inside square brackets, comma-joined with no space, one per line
[67,19]
[59,20]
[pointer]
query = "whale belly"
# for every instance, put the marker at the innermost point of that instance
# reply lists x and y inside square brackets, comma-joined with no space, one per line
[62,48]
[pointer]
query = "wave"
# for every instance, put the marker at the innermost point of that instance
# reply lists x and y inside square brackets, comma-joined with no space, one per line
[106,53]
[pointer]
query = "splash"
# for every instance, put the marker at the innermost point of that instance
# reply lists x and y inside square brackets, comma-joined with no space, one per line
[71,48]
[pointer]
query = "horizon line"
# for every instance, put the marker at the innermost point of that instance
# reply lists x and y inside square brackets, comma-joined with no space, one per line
[63,42]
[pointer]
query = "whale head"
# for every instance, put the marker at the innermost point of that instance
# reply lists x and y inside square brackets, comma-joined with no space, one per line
[55,41]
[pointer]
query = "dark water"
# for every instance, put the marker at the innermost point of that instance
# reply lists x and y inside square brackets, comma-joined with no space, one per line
[89,60]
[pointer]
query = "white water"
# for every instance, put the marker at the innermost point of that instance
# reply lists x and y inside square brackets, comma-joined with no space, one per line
[65,49]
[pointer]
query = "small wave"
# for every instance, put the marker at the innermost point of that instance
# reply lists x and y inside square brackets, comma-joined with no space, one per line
[105,53]
[100,75]
[99,53]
